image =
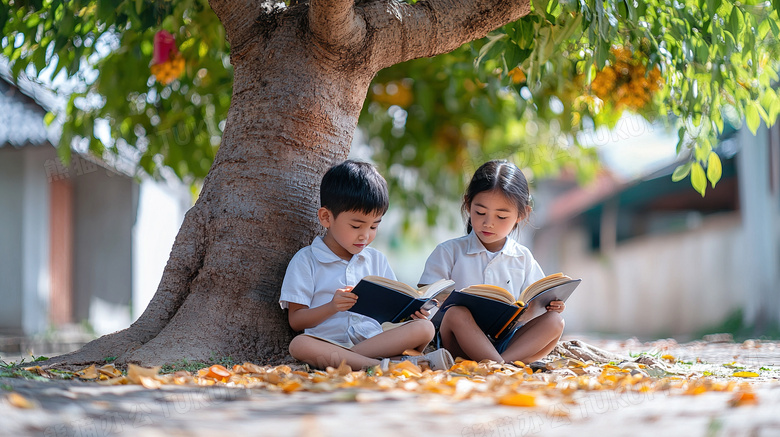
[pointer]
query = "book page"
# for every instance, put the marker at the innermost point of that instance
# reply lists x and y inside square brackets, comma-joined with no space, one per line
[435,288]
[491,292]
[537,287]
[395,285]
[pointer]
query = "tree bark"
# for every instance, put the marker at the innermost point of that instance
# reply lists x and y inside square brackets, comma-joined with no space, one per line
[301,76]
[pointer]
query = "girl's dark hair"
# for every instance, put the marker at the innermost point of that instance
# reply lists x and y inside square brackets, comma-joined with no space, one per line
[500,175]
[354,186]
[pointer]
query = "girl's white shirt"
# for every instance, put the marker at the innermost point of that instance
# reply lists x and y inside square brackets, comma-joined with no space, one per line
[466,261]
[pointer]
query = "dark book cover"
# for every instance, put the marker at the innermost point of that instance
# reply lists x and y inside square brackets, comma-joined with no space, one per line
[537,305]
[497,319]
[385,304]
[491,315]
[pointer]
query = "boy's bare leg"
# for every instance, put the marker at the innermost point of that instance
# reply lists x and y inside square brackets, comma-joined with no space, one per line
[413,335]
[321,354]
[536,339]
[462,337]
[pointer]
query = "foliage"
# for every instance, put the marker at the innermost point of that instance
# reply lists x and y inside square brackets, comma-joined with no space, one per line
[718,61]
[526,91]
[107,47]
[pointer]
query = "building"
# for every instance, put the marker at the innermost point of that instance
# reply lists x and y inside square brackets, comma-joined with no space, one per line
[657,259]
[79,244]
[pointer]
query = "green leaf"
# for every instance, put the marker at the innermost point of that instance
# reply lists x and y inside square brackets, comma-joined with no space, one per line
[736,21]
[512,55]
[49,117]
[495,44]
[772,24]
[681,172]
[717,119]
[540,7]
[752,117]
[714,169]
[698,179]
[3,18]
[680,140]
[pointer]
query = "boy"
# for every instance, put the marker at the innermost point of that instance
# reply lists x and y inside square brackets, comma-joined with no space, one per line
[320,277]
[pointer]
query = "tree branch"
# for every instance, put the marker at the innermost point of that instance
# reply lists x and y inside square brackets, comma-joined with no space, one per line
[400,32]
[335,24]
[238,17]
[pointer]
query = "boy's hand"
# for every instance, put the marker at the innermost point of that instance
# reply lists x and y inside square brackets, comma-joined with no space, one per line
[557,305]
[421,314]
[343,299]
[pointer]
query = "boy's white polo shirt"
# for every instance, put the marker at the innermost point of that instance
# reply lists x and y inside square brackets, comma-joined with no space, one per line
[313,276]
[466,261]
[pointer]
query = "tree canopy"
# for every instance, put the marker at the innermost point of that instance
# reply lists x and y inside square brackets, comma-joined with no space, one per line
[525,92]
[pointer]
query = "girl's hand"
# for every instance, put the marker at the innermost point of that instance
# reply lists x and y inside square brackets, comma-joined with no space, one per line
[343,299]
[557,305]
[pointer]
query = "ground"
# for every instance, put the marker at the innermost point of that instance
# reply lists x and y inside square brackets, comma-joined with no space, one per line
[719,402]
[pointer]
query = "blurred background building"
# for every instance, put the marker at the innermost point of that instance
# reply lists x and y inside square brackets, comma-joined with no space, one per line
[80,244]
[657,259]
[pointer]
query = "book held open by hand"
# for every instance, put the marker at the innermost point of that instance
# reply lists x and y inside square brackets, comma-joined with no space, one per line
[386,300]
[498,313]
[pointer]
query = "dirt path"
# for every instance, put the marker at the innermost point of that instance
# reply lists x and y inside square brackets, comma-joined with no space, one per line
[73,408]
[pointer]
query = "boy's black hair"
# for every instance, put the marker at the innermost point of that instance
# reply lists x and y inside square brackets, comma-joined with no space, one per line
[354,186]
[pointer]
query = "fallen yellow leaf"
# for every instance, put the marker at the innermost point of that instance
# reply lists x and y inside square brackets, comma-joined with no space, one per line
[110,371]
[88,373]
[218,372]
[518,400]
[135,372]
[745,374]
[741,398]
[20,401]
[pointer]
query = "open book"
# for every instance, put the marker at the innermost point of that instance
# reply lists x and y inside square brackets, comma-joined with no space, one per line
[495,309]
[386,300]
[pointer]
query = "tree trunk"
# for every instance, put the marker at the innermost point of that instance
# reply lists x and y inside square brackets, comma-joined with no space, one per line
[301,76]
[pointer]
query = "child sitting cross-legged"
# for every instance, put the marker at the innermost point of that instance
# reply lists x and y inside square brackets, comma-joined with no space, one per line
[319,279]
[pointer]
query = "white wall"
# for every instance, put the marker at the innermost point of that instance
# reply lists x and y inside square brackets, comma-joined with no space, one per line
[761,228]
[36,280]
[105,205]
[662,285]
[11,198]
[161,210]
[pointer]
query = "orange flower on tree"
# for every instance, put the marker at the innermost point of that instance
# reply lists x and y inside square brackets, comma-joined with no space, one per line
[167,62]
[626,83]
[396,92]
[516,75]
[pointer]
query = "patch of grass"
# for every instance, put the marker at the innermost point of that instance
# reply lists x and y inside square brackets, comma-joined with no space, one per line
[12,364]
[183,364]
[20,373]
[735,325]
[110,359]
[225,361]
[6,387]
[194,366]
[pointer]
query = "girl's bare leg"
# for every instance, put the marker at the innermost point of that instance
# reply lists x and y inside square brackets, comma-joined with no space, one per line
[536,339]
[461,336]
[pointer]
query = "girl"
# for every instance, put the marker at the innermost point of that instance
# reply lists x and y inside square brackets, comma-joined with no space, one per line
[495,202]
